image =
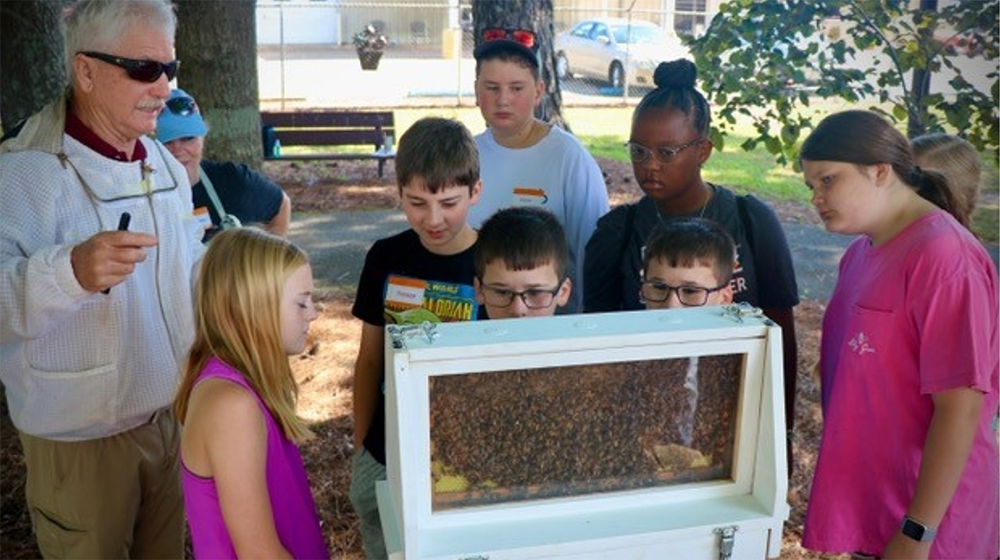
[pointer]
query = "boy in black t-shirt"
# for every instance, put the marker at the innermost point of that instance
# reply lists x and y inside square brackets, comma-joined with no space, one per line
[427,269]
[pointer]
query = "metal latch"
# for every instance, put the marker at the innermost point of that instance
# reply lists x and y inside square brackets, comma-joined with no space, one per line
[737,311]
[727,538]
[399,333]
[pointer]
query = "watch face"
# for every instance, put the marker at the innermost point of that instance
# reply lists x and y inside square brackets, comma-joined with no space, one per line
[914,530]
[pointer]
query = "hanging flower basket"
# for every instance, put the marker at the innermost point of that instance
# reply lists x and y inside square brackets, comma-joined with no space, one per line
[369,43]
[369,58]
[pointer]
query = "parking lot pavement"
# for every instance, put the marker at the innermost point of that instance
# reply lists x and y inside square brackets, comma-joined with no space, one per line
[338,241]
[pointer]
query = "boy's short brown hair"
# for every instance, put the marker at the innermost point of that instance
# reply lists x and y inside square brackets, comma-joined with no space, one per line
[523,238]
[440,152]
[689,242]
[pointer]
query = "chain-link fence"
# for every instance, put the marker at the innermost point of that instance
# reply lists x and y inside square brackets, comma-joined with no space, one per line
[307,56]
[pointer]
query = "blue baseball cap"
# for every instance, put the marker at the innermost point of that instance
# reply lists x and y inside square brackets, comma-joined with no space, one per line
[180,118]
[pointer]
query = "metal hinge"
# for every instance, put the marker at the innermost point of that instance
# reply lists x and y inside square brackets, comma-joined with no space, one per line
[727,538]
[737,311]
[399,333]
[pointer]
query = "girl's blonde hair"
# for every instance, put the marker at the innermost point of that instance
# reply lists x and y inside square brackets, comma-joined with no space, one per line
[956,159]
[238,320]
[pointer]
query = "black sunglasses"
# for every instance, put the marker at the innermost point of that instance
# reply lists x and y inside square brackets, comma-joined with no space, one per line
[139,70]
[182,106]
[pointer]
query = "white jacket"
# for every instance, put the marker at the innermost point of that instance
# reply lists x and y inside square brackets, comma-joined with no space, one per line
[80,365]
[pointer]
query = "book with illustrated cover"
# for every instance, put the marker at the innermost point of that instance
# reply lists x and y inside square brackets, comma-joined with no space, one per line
[413,301]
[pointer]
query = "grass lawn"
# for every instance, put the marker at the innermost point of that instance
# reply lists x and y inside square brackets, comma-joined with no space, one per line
[604,131]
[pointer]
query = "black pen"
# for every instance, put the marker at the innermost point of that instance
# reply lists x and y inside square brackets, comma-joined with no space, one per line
[123,223]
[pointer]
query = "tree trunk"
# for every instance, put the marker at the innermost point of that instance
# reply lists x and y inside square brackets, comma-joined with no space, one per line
[32,67]
[217,46]
[921,85]
[534,15]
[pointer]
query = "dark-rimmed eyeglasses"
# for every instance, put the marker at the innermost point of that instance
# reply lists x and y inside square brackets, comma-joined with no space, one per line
[689,296]
[535,298]
[182,106]
[522,36]
[665,154]
[139,70]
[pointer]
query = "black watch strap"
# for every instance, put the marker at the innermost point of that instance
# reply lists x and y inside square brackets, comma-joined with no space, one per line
[917,531]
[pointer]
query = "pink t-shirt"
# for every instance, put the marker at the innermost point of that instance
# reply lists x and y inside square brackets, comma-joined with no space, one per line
[292,503]
[911,318]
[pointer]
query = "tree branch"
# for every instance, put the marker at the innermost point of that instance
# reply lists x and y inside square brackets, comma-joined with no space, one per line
[893,55]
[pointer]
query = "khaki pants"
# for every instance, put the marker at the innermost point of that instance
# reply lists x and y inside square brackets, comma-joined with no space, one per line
[115,497]
[365,472]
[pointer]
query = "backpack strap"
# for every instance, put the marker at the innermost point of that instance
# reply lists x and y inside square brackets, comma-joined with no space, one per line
[626,234]
[741,207]
[626,231]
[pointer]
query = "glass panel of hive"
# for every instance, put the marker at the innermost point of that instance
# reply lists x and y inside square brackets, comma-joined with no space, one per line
[532,434]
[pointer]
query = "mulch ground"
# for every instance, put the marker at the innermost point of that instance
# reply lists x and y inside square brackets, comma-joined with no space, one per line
[324,371]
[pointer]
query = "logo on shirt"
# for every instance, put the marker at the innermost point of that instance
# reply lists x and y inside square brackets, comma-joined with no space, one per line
[861,344]
[413,301]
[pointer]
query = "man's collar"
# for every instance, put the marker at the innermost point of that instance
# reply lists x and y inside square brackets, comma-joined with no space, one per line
[83,134]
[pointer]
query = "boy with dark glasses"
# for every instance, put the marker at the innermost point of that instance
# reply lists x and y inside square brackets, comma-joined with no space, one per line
[688,262]
[522,262]
[525,161]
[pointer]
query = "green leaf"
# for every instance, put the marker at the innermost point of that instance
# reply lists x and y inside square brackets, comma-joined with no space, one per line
[899,112]
[789,134]
[773,145]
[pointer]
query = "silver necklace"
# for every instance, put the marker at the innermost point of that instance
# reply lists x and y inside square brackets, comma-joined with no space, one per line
[701,213]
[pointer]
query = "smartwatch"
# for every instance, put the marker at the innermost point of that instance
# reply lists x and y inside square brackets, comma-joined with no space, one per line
[916,530]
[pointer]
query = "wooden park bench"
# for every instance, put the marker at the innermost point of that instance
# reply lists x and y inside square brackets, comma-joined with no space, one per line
[375,129]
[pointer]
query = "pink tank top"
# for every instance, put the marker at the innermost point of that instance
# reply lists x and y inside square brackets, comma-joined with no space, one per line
[291,500]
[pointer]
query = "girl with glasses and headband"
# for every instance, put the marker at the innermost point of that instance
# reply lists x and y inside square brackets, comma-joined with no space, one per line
[668,146]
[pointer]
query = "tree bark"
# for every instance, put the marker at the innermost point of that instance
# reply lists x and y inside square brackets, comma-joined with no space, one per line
[921,84]
[534,15]
[32,67]
[217,46]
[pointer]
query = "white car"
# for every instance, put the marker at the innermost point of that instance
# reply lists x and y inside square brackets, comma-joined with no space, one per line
[610,49]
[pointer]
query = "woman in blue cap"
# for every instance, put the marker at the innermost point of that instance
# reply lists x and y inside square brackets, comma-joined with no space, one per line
[225,194]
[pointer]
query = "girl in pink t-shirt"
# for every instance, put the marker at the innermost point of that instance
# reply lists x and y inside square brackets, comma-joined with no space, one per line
[908,462]
[245,488]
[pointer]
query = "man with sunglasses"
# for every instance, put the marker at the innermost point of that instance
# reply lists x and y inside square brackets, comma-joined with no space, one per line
[525,161]
[96,323]
[225,194]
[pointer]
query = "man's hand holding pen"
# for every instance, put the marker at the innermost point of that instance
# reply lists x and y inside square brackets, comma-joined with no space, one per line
[108,257]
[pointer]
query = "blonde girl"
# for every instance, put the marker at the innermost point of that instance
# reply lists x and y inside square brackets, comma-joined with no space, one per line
[245,488]
[958,161]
